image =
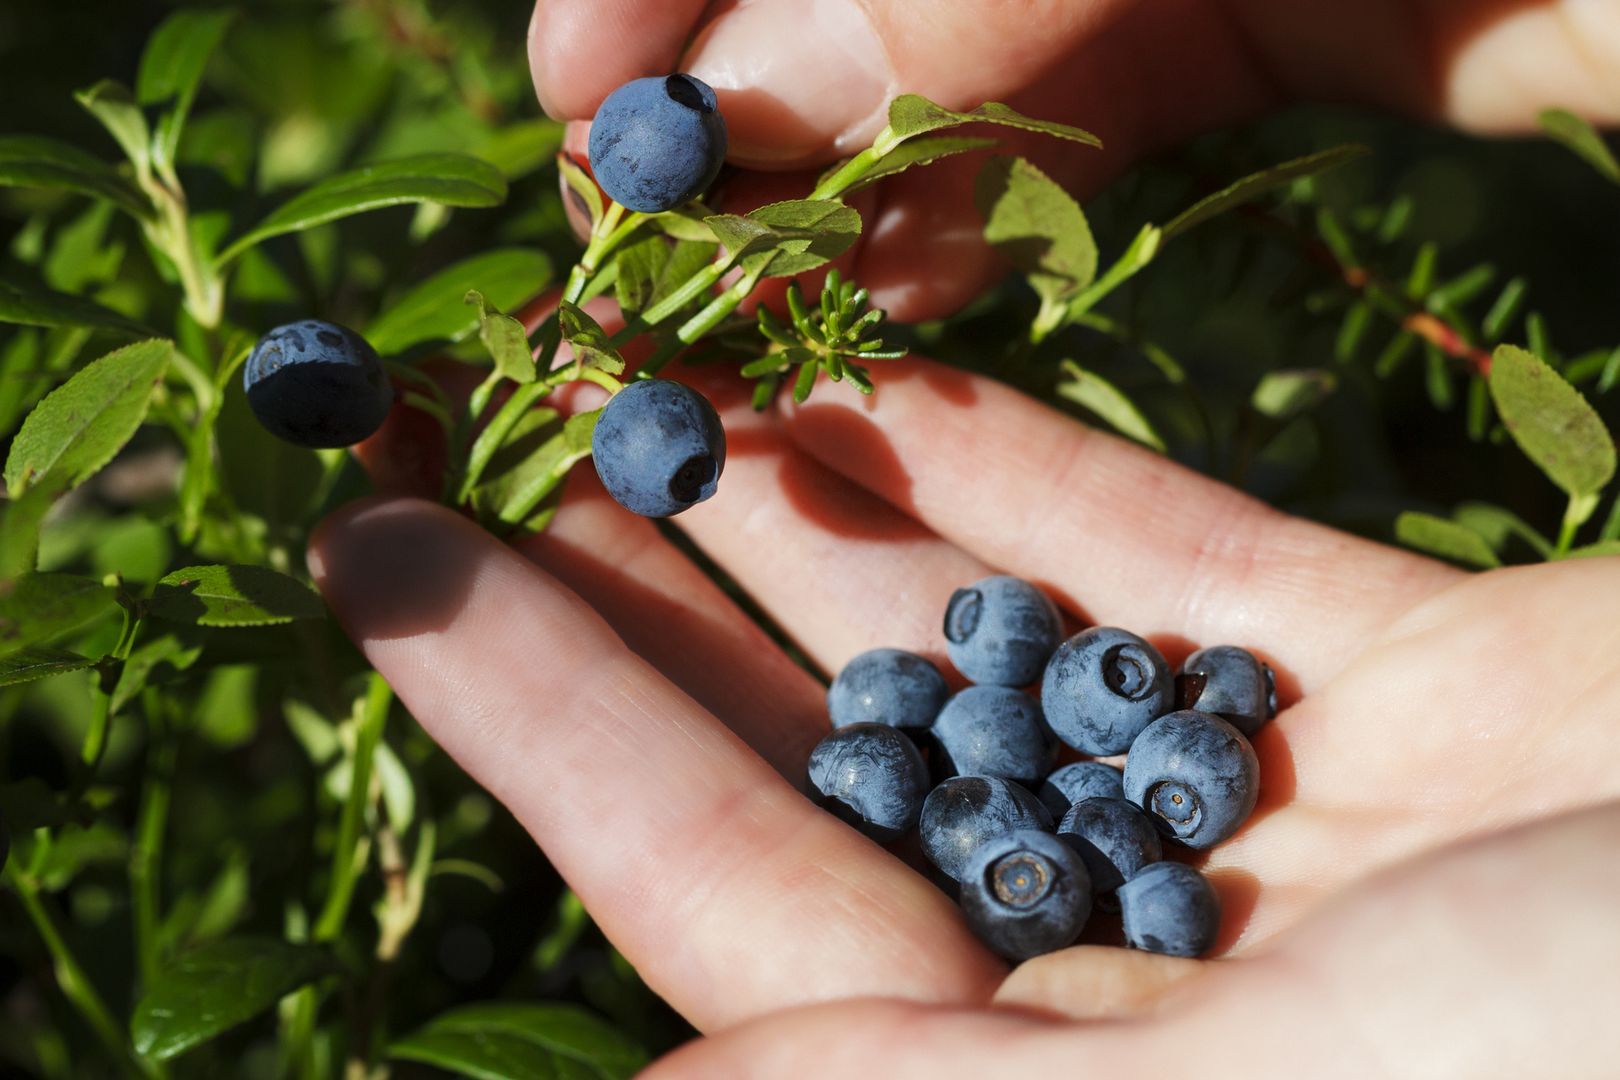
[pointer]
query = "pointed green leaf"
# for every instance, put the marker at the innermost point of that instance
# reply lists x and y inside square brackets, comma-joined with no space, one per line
[36,609]
[1141,252]
[38,162]
[1284,395]
[1581,137]
[589,342]
[684,223]
[912,114]
[42,307]
[446,179]
[1496,525]
[113,104]
[786,238]
[153,662]
[172,67]
[210,989]
[1093,392]
[1037,226]
[1445,539]
[505,338]
[1258,184]
[586,195]
[20,520]
[1551,422]
[1597,549]
[534,463]
[27,665]
[233,596]
[652,269]
[436,311]
[83,423]
[915,152]
[513,1041]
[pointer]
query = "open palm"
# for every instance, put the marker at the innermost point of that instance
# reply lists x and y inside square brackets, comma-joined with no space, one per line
[652,738]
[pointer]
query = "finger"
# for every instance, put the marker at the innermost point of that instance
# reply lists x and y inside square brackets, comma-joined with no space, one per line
[581,50]
[730,892]
[1095,982]
[1122,534]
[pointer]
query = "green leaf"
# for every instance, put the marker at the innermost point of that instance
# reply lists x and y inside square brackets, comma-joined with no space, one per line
[505,338]
[512,1041]
[436,311]
[27,665]
[534,463]
[113,104]
[1594,550]
[684,223]
[210,989]
[42,307]
[83,423]
[1443,538]
[78,847]
[35,609]
[589,342]
[587,196]
[153,662]
[19,531]
[1037,226]
[1284,395]
[912,114]
[786,238]
[171,68]
[1581,137]
[233,596]
[1551,422]
[1096,394]
[1141,252]
[446,179]
[653,268]
[1495,524]
[1258,184]
[915,152]
[34,161]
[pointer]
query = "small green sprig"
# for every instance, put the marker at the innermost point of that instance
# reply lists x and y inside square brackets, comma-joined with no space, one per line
[836,337]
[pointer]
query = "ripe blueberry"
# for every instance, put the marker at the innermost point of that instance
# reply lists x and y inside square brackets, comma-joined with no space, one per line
[1237,687]
[1026,893]
[1102,687]
[1170,908]
[872,776]
[1068,784]
[993,731]
[317,384]
[999,631]
[658,447]
[1195,775]
[962,813]
[658,142]
[1113,838]
[887,686]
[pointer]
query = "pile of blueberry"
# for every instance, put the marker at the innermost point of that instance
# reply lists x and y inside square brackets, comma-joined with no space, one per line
[1028,848]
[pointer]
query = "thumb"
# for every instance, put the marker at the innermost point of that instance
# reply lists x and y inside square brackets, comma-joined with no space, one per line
[805,80]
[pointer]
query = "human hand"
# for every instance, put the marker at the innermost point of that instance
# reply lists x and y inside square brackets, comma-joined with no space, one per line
[802,82]
[650,736]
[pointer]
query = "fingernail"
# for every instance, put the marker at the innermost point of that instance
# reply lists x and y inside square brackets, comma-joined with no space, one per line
[795,78]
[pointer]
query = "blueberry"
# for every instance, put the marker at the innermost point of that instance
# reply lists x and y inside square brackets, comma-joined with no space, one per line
[1170,908]
[993,731]
[317,384]
[887,686]
[1113,838]
[658,447]
[1026,893]
[1068,784]
[1237,687]
[1195,775]
[999,631]
[658,142]
[965,811]
[872,776]
[1102,687]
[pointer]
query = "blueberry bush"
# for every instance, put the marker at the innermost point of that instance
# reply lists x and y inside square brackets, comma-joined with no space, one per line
[230,851]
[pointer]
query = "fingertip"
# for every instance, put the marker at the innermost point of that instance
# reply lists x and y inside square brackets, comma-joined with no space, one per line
[581,50]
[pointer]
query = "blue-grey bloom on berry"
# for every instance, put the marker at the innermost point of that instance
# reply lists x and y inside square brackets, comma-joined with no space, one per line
[1068,784]
[1102,687]
[317,384]
[1194,775]
[872,776]
[887,686]
[658,142]
[1000,631]
[993,731]
[658,447]
[1237,687]
[1113,838]
[965,811]
[1026,893]
[1170,908]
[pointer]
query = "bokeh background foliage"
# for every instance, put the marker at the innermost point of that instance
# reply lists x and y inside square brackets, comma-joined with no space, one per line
[1323,348]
